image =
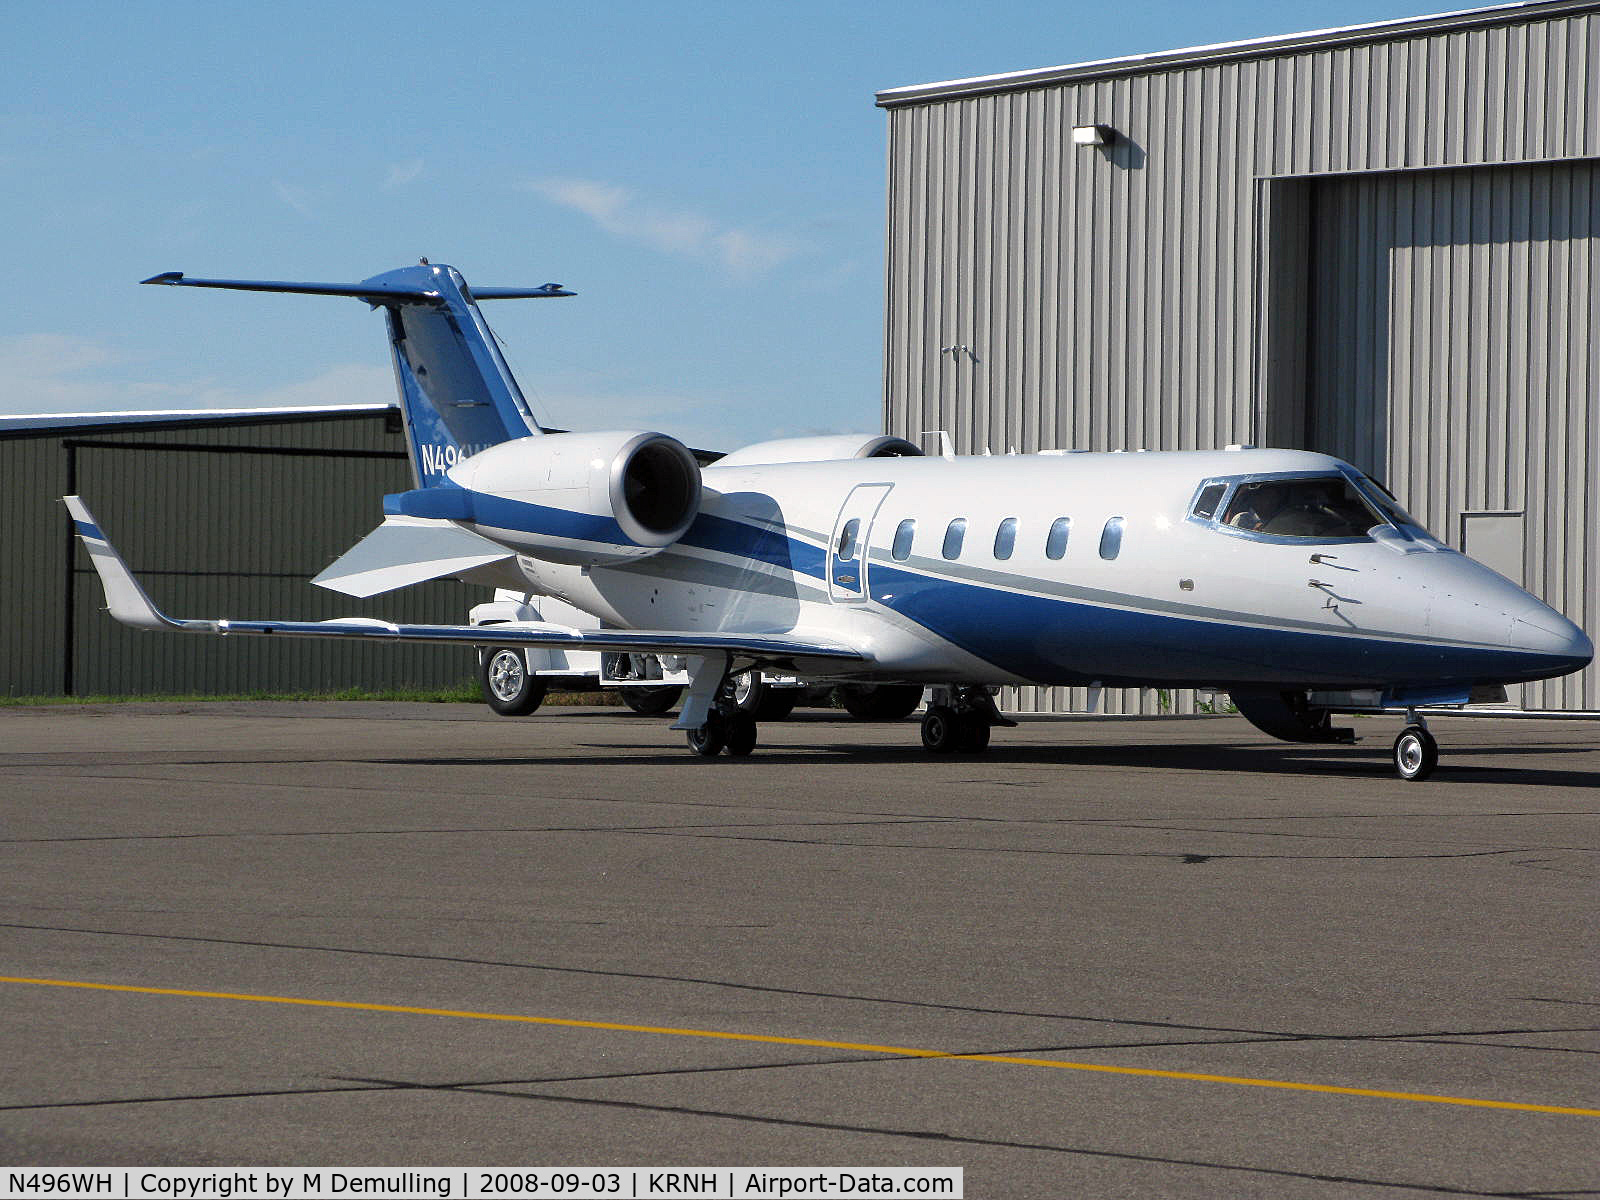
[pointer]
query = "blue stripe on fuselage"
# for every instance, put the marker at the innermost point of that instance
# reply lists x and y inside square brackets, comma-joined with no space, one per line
[1054,641]
[758,543]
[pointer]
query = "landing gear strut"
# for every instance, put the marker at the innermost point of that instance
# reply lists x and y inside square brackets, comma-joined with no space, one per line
[959,721]
[728,727]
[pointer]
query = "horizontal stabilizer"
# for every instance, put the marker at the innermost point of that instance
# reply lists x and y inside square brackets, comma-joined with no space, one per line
[379,290]
[792,650]
[407,550]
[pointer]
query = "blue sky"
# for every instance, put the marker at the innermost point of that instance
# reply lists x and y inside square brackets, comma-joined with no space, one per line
[709,178]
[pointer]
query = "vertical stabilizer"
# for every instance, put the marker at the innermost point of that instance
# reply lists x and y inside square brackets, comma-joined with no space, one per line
[457,394]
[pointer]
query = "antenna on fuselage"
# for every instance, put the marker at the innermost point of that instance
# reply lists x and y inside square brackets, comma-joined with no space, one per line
[947,448]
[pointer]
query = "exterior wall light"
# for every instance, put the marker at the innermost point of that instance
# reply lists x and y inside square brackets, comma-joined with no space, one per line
[1093,135]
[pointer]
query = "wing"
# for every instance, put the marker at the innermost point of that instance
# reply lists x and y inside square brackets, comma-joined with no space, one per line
[129,604]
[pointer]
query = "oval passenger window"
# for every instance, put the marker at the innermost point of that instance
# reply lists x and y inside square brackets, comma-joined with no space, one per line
[1005,538]
[1056,544]
[904,532]
[953,537]
[847,539]
[1111,539]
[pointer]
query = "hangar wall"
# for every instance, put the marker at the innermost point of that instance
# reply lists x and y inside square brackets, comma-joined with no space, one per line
[218,517]
[1379,242]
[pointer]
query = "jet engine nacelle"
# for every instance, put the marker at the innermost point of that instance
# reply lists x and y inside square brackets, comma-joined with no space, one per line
[826,448]
[583,498]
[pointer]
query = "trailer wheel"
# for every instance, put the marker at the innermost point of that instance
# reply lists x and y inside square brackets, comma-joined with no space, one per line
[507,686]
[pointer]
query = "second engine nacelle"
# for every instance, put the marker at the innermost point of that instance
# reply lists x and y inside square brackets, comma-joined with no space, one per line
[584,498]
[826,448]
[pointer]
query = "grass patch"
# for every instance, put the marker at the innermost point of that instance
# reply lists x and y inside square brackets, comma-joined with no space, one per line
[462,693]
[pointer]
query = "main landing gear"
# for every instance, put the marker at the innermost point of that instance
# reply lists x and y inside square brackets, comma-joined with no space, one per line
[728,726]
[959,720]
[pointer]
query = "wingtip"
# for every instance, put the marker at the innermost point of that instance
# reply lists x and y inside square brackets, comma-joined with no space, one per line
[165,277]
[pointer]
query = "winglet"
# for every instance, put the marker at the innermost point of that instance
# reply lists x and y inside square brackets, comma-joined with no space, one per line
[124,596]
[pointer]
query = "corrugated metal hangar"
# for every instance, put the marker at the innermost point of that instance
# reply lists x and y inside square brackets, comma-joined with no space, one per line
[1380,242]
[222,514]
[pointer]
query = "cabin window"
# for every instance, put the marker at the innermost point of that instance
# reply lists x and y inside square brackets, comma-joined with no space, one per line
[1315,508]
[954,534]
[1205,504]
[1005,538]
[903,533]
[846,549]
[1111,539]
[1056,544]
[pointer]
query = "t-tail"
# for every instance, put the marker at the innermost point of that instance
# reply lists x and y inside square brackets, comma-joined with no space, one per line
[457,395]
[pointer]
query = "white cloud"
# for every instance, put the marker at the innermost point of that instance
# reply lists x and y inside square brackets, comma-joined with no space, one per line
[743,252]
[61,373]
[297,198]
[403,173]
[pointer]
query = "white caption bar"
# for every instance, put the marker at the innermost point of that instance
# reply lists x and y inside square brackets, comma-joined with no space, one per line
[482,1183]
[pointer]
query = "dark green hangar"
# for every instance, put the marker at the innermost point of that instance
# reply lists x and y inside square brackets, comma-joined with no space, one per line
[221,514]
[1380,242]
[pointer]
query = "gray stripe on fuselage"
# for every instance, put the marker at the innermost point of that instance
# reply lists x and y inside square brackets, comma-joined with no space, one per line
[693,569]
[1034,585]
[680,567]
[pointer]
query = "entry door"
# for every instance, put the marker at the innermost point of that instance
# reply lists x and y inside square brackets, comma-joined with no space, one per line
[847,550]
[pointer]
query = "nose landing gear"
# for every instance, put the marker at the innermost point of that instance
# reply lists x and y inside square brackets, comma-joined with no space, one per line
[1416,753]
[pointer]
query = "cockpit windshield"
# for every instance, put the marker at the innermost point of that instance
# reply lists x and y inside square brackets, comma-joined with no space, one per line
[1316,508]
[1389,506]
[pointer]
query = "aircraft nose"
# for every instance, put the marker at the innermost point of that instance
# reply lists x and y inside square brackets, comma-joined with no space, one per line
[1541,630]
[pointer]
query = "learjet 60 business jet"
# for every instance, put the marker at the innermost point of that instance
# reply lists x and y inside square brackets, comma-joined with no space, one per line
[1288,579]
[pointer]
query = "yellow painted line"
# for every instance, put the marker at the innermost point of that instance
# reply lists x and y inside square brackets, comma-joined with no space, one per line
[866,1048]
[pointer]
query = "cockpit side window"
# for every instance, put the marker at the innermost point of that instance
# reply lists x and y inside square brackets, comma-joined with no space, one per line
[1205,504]
[1318,509]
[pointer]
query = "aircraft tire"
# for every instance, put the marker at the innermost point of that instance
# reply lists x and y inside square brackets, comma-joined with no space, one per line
[1416,754]
[651,701]
[507,686]
[746,690]
[741,735]
[880,701]
[972,733]
[709,740]
[940,730]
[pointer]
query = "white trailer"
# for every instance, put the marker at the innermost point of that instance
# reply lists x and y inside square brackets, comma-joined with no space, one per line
[515,679]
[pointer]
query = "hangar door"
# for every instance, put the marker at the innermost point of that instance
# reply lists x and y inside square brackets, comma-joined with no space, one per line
[1453,349]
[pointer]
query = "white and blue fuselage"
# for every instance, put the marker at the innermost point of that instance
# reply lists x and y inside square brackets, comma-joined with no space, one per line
[1135,589]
